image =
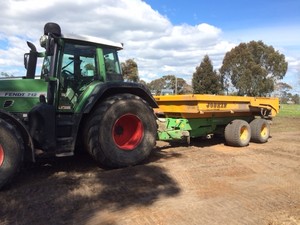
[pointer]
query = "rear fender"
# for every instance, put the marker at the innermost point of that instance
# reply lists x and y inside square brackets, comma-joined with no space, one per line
[19,125]
[103,90]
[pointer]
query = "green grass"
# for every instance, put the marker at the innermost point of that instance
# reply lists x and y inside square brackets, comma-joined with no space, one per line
[289,110]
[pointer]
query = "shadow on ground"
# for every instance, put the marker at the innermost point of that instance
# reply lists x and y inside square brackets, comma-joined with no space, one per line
[71,190]
[200,142]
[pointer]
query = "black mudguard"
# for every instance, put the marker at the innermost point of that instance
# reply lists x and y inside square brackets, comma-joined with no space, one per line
[104,90]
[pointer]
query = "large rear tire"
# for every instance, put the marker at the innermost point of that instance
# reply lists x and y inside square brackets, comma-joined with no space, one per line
[260,130]
[11,152]
[238,133]
[121,131]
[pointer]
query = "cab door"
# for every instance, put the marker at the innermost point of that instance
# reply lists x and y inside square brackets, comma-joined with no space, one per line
[78,69]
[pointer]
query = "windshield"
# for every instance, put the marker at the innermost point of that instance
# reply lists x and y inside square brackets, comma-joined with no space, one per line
[79,60]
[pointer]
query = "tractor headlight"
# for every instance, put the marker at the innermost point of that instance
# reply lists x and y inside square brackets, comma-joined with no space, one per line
[43,41]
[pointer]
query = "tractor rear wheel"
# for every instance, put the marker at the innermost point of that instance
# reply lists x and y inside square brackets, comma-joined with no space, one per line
[238,133]
[11,152]
[121,131]
[260,130]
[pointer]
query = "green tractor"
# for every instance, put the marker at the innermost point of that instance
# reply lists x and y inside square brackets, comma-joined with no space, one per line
[79,100]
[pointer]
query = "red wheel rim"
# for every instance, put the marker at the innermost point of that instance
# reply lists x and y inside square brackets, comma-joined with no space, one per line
[1,155]
[128,131]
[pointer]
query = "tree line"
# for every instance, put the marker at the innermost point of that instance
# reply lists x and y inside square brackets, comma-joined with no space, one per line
[252,69]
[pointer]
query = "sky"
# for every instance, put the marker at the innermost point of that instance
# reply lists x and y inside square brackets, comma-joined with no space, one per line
[164,37]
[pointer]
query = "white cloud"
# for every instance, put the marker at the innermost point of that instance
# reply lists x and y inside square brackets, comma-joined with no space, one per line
[158,46]
[149,37]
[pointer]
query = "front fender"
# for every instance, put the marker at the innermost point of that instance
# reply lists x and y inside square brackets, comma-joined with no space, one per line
[28,143]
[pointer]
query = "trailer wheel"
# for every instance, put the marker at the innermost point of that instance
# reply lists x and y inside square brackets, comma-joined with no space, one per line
[122,131]
[238,133]
[11,152]
[260,130]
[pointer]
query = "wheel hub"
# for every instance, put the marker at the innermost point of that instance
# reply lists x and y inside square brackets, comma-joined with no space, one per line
[128,132]
[264,131]
[244,133]
[119,130]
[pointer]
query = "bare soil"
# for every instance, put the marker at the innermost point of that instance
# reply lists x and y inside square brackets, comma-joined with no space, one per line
[204,183]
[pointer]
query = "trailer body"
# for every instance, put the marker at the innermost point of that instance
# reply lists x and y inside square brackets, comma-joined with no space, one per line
[196,115]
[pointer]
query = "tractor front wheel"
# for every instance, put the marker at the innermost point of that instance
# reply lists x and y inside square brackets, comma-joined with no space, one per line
[11,152]
[121,131]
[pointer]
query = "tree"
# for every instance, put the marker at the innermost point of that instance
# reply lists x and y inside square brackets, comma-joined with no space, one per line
[177,84]
[296,98]
[4,74]
[156,85]
[282,88]
[130,70]
[143,82]
[205,78]
[282,91]
[253,68]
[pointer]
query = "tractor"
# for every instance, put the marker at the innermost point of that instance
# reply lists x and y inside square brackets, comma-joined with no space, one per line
[78,101]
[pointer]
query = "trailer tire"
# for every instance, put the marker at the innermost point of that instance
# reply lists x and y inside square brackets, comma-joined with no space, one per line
[238,133]
[121,131]
[11,152]
[260,130]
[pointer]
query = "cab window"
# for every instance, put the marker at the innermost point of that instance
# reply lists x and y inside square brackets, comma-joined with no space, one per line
[112,66]
[78,66]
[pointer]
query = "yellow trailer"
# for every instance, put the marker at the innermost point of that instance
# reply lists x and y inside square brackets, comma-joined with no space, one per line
[239,118]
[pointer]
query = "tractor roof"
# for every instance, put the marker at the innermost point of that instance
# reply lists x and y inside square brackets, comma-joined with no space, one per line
[96,40]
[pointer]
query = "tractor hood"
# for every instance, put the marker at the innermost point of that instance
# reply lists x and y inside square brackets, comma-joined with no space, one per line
[20,95]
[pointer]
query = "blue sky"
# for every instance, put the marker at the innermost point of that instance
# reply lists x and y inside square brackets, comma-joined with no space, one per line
[164,37]
[232,14]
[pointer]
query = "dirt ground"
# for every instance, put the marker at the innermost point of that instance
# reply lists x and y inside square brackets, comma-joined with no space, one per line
[204,183]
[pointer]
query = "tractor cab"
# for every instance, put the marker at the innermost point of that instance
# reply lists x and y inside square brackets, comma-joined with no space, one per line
[72,63]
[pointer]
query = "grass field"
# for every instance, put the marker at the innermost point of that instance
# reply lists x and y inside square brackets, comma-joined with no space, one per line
[287,110]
